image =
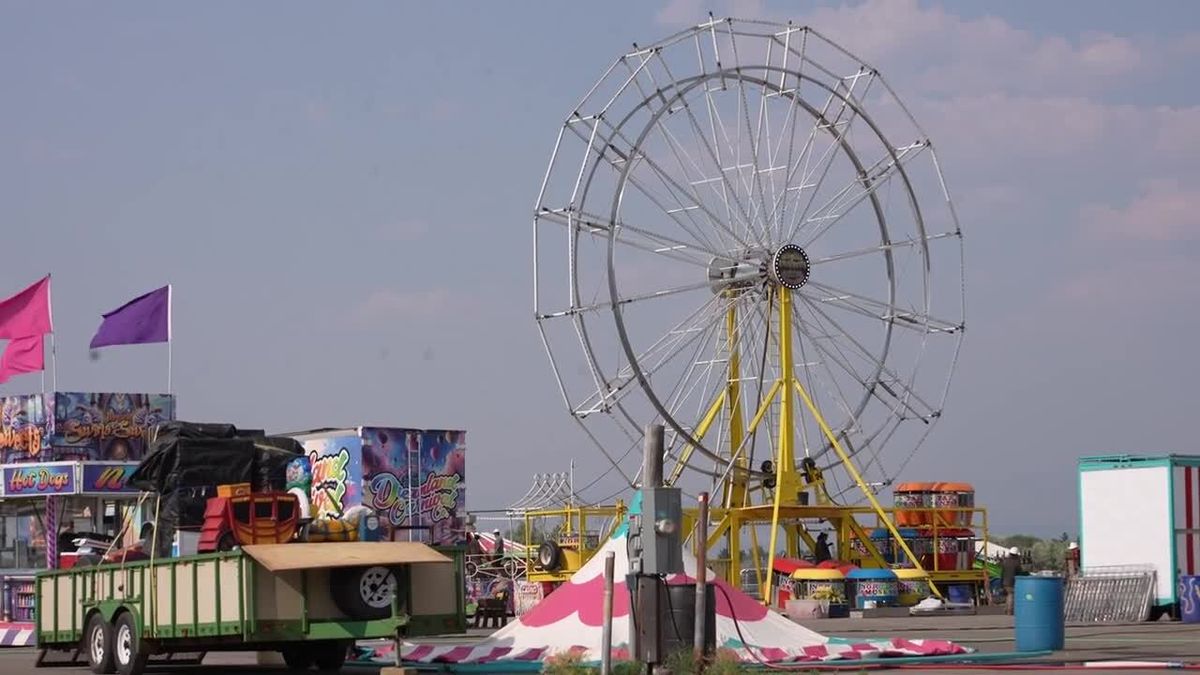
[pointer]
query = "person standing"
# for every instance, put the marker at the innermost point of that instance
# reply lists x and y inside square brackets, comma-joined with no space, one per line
[1072,565]
[823,552]
[498,551]
[1010,569]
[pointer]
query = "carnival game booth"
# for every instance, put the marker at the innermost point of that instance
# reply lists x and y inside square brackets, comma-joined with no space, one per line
[65,463]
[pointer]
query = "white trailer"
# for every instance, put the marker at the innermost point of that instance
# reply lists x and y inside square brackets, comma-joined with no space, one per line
[1142,510]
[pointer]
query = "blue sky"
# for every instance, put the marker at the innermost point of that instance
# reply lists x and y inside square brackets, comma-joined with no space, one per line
[342,199]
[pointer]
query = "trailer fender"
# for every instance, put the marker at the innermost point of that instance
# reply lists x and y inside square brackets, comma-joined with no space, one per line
[111,609]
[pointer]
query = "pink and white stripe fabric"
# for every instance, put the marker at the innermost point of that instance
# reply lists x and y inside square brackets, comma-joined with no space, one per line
[570,619]
[16,635]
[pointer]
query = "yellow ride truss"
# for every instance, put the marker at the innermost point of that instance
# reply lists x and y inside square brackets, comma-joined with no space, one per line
[787,506]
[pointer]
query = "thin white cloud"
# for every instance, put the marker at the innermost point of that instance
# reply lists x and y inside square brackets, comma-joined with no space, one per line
[1164,211]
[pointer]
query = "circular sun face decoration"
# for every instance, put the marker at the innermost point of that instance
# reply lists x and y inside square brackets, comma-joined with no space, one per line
[790,267]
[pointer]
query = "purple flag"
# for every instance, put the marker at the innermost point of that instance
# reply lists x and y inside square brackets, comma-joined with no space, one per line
[140,321]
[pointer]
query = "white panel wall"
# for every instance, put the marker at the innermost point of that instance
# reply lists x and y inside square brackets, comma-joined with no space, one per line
[1126,520]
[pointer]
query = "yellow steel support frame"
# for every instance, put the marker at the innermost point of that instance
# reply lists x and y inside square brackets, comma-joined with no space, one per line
[788,483]
[858,479]
[785,461]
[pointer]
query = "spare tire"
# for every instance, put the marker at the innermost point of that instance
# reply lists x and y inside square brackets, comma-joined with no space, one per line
[364,592]
[549,556]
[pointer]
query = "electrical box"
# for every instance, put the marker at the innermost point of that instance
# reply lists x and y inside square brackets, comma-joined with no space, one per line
[662,531]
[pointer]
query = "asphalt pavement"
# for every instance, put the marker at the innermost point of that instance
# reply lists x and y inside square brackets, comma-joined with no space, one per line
[1161,642]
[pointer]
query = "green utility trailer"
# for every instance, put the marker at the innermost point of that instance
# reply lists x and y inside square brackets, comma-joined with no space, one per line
[308,601]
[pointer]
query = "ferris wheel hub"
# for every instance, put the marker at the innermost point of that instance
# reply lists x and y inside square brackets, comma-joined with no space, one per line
[789,267]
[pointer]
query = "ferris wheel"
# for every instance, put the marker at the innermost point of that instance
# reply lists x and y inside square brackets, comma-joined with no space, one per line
[745,236]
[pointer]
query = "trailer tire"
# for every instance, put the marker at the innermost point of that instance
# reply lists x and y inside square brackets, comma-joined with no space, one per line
[298,657]
[330,656]
[129,654]
[363,592]
[98,644]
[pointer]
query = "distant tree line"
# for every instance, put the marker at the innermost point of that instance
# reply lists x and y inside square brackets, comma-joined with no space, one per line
[1039,554]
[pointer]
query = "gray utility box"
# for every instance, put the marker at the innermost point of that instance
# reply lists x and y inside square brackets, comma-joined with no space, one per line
[662,552]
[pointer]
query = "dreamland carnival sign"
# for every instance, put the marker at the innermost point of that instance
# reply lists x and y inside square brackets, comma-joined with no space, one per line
[415,479]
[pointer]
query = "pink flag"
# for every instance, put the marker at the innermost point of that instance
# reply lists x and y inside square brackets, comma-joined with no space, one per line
[22,355]
[27,313]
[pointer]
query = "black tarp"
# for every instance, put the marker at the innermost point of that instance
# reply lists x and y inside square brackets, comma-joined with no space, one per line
[187,461]
[188,455]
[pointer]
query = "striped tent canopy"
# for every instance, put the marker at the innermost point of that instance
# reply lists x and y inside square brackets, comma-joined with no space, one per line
[569,620]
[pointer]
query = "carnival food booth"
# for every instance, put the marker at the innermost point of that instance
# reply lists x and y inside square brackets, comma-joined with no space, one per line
[65,463]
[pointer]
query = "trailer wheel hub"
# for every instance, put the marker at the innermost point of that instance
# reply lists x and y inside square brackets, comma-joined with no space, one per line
[124,644]
[97,643]
[377,586]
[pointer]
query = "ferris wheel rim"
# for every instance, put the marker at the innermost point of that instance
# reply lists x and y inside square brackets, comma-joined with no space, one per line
[615,224]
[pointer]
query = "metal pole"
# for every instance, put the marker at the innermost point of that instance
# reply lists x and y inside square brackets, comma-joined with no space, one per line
[701,580]
[606,634]
[652,458]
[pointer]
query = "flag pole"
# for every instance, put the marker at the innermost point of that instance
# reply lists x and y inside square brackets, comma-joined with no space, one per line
[53,365]
[53,355]
[170,356]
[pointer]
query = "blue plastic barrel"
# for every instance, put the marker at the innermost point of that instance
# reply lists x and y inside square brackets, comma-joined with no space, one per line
[1038,614]
[1189,599]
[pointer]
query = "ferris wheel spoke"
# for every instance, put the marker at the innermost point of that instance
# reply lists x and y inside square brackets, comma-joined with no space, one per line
[755,182]
[845,200]
[685,203]
[737,208]
[838,131]
[893,381]
[882,248]
[873,384]
[697,324]
[655,295]
[628,235]
[872,450]
[808,377]
[729,191]
[832,386]
[833,296]
[681,392]
[732,164]
[744,325]
[763,142]
[677,148]
[668,347]
[790,124]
